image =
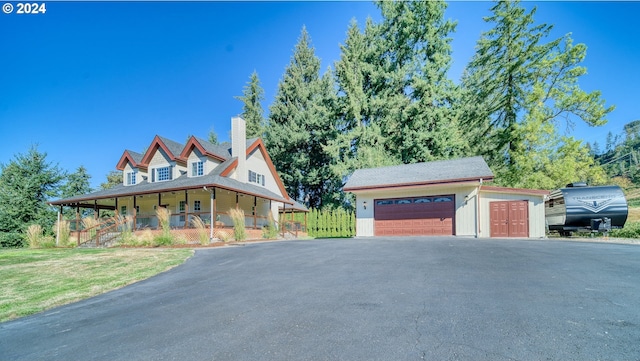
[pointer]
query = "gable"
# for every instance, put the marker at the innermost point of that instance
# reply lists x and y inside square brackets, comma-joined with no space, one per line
[257,152]
[129,157]
[170,149]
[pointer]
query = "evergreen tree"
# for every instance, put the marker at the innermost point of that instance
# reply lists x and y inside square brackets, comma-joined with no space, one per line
[213,137]
[301,124]
[422,124]
[114,178]
[252,98]
[358,75]
[26,183]
[76,184]
[515,78]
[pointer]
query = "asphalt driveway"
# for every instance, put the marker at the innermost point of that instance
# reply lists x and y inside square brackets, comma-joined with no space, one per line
[440,298]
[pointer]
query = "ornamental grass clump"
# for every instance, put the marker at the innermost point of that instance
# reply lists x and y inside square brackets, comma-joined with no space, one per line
[63,232]
[90,223]
[34,235]
[270,231]
[201,228]
[126,230]
[237,217]
[164,220]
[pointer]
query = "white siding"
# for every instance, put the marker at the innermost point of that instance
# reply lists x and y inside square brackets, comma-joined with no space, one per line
[160,159]
[257,163]
[536,211]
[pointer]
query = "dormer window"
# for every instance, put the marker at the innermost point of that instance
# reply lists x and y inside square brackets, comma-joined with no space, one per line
[131,178]
[197,169]
[162,174]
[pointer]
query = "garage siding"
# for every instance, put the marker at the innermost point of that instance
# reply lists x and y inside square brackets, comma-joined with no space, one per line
[536,212]
[465,221]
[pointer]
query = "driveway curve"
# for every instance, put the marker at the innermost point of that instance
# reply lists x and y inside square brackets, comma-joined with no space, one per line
[436,298]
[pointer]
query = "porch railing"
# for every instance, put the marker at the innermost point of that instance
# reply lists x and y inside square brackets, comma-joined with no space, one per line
[101,233]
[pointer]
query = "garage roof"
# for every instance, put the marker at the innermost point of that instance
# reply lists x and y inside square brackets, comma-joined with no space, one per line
[437,172]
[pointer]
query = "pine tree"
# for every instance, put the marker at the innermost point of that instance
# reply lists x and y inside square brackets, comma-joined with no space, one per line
[360,78]
[252,98]
[301,124]
[423,123]
[516,82]
[27,182]
[77,183]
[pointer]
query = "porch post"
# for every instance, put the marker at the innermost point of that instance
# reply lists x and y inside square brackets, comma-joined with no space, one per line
[237,200]
[212,205]
[117,212]
[95,209]
[186,209]
[135,213]
[284,217]
[58,227]
[78,222]
[255,212]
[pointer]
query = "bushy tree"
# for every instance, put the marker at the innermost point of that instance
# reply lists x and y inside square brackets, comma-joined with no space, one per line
[27,182]
[300,125]
[114,178]
[422,121]
[517,82]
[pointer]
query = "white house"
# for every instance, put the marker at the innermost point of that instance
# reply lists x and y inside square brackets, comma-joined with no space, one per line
[194,179]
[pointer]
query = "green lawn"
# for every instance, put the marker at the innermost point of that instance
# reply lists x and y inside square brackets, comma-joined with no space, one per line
[36,280]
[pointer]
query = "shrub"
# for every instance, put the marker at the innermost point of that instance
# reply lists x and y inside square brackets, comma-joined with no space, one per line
[222,235]
[237,217]
[630,230]
[11,240]
[47,242]
[201,228]
[270,231]
[163,240]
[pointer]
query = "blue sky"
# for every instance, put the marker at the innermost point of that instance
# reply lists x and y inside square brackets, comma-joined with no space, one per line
[87,80]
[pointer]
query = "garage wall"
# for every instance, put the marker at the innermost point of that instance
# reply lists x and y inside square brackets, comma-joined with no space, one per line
[465,212]
[536,212]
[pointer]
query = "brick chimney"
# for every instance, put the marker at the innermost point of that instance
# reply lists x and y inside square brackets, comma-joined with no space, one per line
[239,147]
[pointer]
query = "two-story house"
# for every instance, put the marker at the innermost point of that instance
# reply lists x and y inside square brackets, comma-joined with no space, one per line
[196,178]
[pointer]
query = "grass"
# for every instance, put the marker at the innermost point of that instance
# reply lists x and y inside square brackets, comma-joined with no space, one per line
[36,280]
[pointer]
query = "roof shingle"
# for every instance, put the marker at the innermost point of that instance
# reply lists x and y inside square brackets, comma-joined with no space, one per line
[420,173]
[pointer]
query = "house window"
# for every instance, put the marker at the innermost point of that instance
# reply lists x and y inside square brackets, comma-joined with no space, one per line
[131,178]
[181,206]
[123,210]
[197,169]
[196,205]
[163,174]
[256,178]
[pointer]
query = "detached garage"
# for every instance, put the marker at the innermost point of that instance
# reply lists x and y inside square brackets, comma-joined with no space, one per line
[443,198]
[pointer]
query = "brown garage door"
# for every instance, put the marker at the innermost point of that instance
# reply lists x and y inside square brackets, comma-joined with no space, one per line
[415,216]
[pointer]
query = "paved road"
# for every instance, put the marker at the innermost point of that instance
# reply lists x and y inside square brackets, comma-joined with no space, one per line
[359,299]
